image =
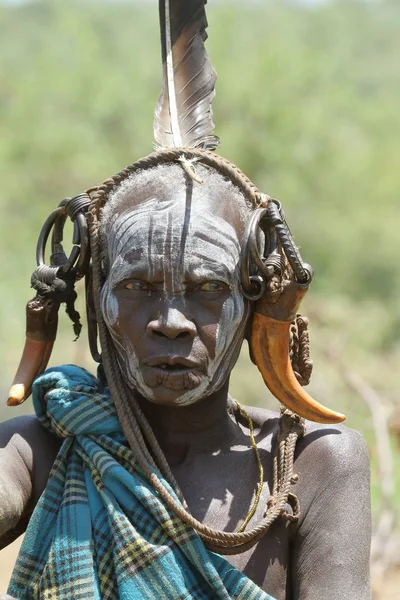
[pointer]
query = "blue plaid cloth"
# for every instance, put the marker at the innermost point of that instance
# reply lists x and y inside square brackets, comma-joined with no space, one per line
[100,531]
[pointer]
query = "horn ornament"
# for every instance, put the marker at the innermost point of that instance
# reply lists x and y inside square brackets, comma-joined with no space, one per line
[270,350]
[41,331]
[54,285]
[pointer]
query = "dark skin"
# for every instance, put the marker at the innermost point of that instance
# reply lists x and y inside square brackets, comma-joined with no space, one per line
[323,555]
[313,558]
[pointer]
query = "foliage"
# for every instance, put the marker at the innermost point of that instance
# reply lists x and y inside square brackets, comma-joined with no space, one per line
[307,105]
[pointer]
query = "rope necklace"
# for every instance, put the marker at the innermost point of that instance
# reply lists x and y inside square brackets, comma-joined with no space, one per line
[260,483]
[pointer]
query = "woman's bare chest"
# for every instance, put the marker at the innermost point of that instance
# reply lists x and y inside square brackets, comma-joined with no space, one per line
[220,491]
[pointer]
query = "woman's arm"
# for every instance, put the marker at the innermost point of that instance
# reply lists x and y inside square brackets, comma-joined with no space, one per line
[330,553]
[27,452]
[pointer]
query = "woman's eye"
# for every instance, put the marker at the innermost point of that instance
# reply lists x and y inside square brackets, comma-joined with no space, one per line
[137,286]
[212,286]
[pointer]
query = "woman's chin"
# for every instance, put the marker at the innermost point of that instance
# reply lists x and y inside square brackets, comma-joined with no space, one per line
[174,393]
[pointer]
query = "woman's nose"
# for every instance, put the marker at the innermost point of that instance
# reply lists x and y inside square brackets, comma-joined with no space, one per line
[172,324]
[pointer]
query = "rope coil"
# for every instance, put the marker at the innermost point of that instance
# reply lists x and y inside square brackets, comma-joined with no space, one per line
[300,350]
[77,204]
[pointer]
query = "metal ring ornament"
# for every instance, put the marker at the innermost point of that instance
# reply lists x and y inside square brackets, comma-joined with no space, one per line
[310,274]
[302,272]
[271,220]
[257,289]
[78,260]
[249,249]
[44,235]
[258,220]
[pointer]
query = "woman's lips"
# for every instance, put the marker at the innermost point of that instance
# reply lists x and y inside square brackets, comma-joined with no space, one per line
[173,373]
[172,361]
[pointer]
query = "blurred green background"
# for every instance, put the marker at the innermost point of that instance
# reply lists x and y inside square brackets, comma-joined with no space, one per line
[307,106]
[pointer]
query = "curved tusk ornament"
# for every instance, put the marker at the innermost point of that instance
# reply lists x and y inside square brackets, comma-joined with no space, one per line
[41,330]
[270,343]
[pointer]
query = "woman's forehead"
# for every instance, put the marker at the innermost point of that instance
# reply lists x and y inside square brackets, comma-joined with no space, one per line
[167,185]
[172,246]
[171,229]
[175,226]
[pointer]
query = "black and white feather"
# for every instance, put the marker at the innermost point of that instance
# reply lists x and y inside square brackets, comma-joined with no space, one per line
[183,115]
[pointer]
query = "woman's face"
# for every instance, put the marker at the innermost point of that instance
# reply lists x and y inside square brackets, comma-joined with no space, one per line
[172,300]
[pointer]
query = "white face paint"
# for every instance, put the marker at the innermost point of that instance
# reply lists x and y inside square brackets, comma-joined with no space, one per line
[177,247]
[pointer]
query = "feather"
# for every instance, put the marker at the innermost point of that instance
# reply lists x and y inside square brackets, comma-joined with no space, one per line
[183,115]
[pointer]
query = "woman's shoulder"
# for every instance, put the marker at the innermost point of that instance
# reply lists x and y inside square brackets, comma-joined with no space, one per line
[24,437]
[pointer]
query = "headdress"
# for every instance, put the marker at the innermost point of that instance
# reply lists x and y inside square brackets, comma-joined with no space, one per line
[274,278]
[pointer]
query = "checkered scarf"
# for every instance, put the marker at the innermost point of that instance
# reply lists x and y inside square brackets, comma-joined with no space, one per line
[100,531]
